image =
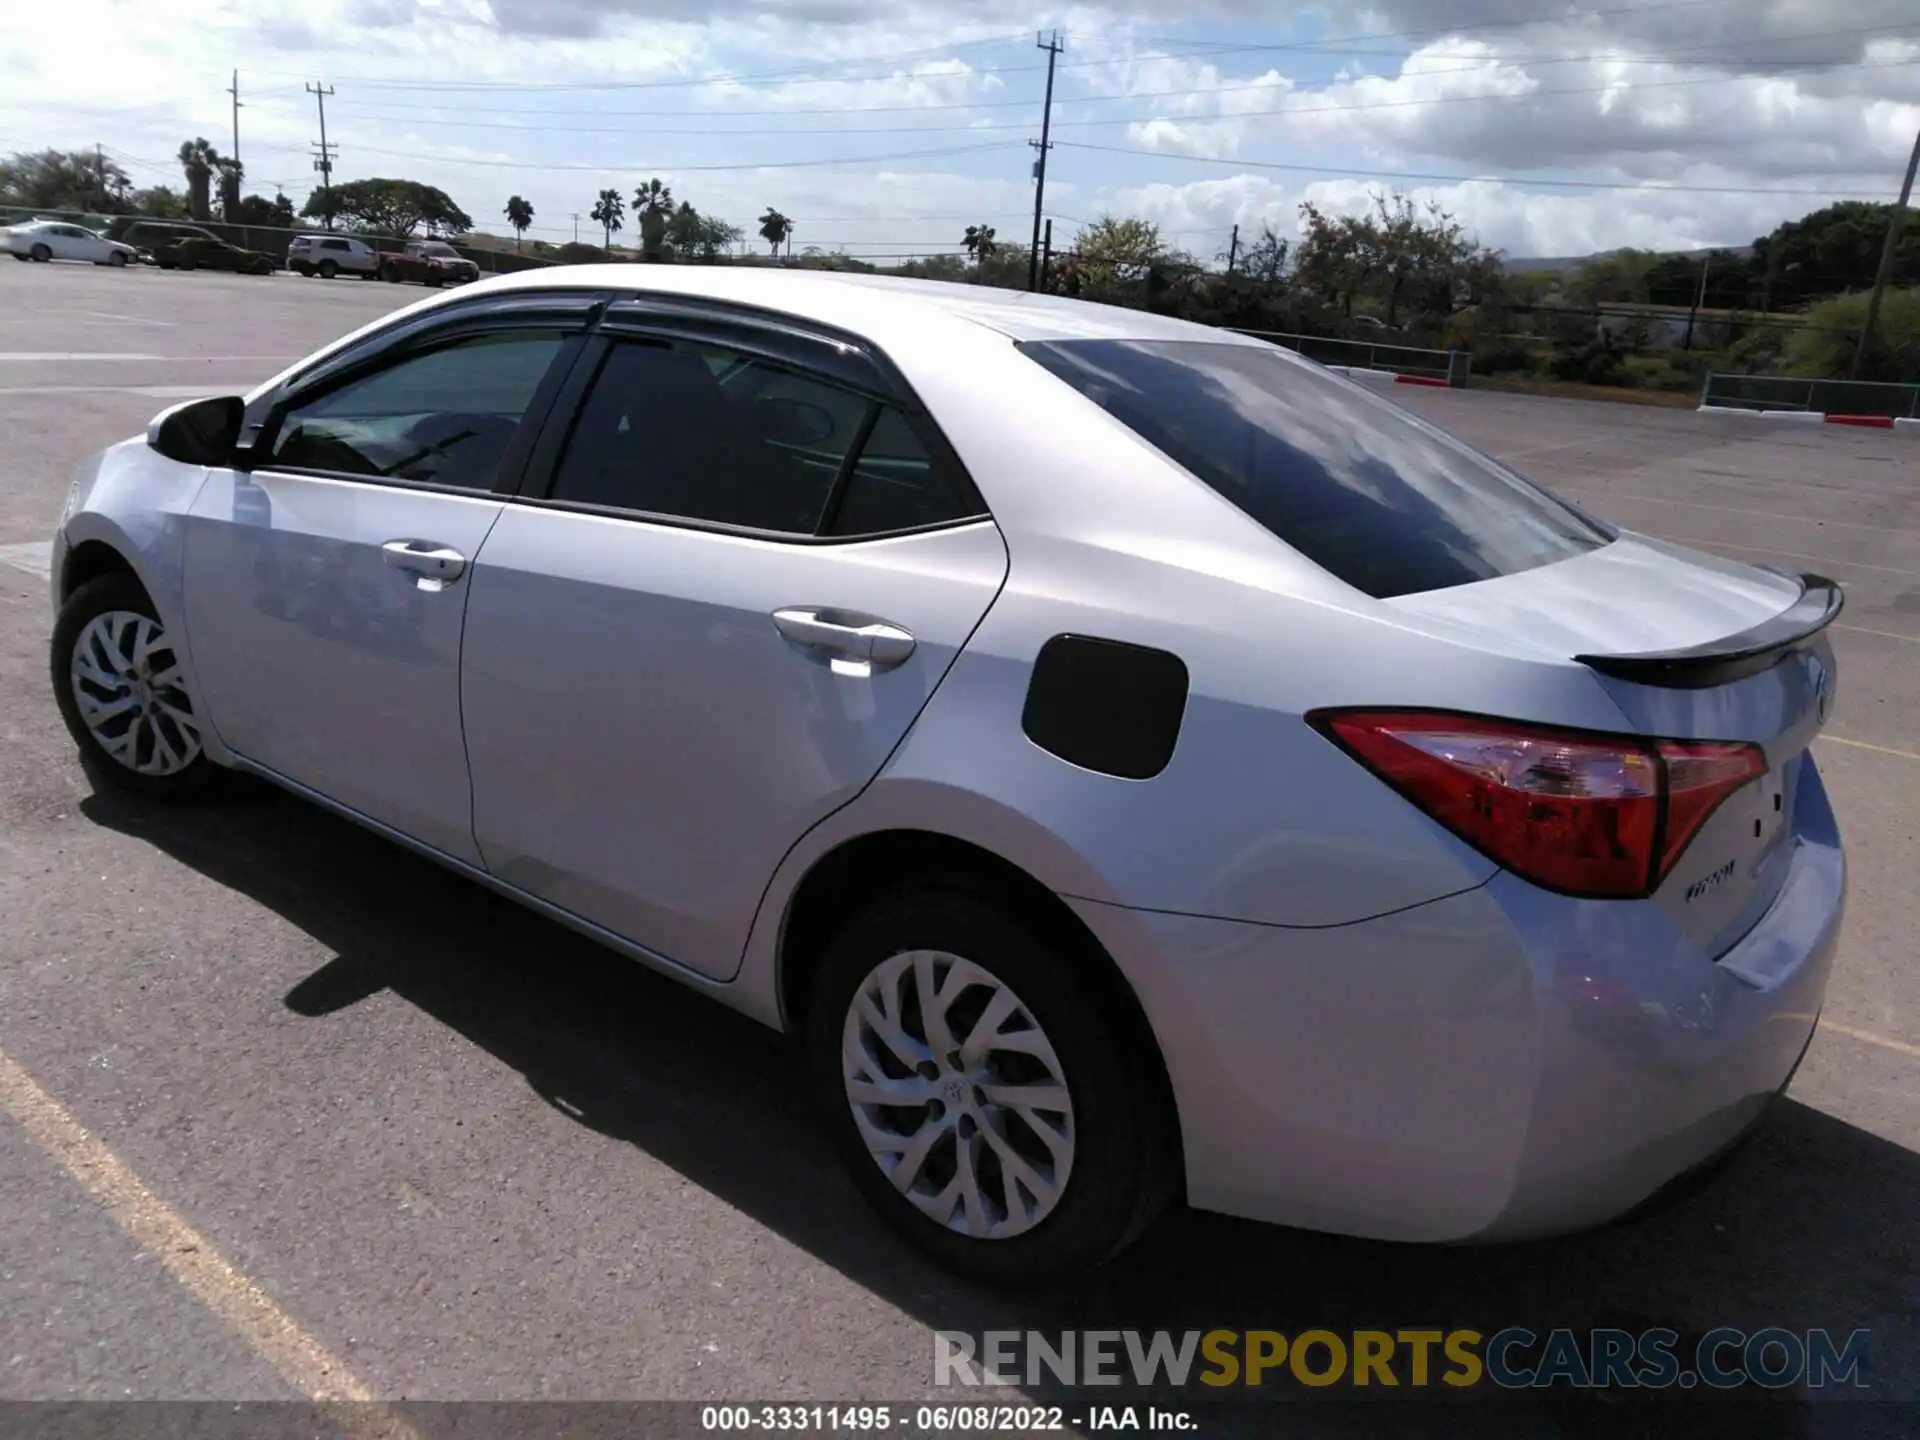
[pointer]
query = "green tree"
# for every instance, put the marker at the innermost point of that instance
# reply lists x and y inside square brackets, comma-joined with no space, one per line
[608,210]
[381,206]
[1830,251]
[1265,259]
[979,242]
[689,235]
[276,213]
[652,208]
[1113,249]
[198,160]
[231,174]
[1823,347]
[160,203]
[519,215]
[774,229]
[64,180]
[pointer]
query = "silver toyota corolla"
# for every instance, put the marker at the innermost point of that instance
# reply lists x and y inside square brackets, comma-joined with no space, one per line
[1136,761]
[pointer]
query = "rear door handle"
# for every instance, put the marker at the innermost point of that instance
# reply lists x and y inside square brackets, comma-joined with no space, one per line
[853,644]
[436,565]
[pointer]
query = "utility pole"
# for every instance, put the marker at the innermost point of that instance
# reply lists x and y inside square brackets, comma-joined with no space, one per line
[1046,253]
[100,172]
[234,91]
[1233,249]
[1699,298]
[576,227]
[1894,222]
[324,161]
[1053,48]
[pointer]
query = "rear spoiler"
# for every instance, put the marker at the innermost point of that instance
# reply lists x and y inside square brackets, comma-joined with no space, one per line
[1733,657]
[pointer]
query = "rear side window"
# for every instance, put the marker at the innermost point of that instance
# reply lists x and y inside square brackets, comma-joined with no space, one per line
[1374,496]
[706,433]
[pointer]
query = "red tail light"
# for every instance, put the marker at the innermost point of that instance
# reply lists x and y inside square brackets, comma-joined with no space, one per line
[1584,813]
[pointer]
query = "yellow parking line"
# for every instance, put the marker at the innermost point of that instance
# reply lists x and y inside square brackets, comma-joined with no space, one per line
[1883,634]
[1867,1037]
[1863,745]
[274,1335]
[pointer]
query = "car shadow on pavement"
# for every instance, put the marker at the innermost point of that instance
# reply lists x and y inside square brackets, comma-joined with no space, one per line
[1808,1227]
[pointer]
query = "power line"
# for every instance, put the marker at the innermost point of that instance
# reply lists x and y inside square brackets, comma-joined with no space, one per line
[1356,172]
[1287,110]
[1490,65]
[658,166]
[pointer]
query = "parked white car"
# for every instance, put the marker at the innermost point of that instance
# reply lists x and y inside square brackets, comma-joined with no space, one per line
[331,255]
[61,240]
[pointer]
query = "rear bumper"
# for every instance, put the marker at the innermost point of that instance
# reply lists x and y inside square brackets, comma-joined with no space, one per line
[1500,1064]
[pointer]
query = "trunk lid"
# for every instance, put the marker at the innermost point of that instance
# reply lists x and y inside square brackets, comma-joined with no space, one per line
[1688,647]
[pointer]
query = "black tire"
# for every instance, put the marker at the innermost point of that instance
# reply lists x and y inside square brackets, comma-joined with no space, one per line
[1120,1174]
[305,271]
[328,269]
[18,256]
[98,597]
[390,275]
[117,260]
[40,254]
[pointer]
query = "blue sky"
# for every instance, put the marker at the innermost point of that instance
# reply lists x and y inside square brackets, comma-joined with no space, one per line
[886,129]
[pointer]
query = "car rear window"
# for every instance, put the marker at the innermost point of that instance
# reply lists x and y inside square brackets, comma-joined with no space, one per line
[1370,493]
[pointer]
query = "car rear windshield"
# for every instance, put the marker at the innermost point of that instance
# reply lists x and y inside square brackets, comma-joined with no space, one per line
[1371,494]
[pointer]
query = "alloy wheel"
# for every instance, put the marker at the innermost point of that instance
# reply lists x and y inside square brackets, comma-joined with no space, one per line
[131,693]
[958,1095]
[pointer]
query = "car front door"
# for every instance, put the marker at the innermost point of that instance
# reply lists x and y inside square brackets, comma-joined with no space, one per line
[327,578]
[742,571]
[69,242]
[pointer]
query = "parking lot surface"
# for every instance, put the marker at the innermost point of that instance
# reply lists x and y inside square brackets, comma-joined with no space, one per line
[444,1149]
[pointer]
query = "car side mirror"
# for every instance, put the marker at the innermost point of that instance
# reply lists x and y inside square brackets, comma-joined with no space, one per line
[199,432]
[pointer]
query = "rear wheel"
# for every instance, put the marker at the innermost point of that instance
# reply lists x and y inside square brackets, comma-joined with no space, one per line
[40,254]
[980,1094]
[122,692]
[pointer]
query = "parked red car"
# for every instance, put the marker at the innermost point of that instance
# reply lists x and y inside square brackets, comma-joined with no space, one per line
[431,262]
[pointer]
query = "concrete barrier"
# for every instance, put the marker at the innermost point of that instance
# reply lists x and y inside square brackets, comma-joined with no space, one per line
[1817,417]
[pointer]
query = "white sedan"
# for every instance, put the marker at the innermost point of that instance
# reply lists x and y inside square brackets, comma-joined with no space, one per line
[60,240]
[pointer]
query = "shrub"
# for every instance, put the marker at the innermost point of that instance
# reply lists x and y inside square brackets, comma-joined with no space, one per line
[1823,348]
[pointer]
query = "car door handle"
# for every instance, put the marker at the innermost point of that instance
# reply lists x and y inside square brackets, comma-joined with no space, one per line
[436,565]
[856,645]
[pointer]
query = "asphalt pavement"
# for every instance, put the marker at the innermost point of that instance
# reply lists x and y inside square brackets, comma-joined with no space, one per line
[286,1112]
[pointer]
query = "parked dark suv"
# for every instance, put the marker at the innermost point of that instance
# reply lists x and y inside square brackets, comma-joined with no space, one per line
[209,252]
[431,262]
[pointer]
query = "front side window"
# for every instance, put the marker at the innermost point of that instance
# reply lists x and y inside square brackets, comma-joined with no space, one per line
[444,416]
[663,433]
[1377,498]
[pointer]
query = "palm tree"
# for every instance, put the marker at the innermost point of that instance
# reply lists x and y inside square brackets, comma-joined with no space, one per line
[979,242]
[775,228]
[607,210]
[232,174]
[197,161]
[652,207]
[519,215]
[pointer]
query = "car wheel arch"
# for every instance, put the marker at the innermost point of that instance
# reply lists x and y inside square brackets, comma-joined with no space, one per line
[91,559]
[881,863]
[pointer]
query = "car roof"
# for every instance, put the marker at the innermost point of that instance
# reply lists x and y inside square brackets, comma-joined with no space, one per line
[872,304]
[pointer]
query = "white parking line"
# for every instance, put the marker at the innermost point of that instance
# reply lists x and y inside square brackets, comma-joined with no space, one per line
[33,556]
[43,356]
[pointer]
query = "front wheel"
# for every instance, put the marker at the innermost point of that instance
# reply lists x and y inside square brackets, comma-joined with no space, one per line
[117,260]
[122,690]
[981,1094]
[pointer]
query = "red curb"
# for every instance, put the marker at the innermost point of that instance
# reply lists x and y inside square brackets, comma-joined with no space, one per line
[1420,380]
[1878,422]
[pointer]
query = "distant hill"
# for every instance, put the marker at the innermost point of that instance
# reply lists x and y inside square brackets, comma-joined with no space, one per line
[1516,263]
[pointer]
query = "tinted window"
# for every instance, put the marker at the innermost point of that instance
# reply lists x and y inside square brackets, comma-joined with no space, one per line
[333,245]
[663,432]
[897,485]
[1376,497]
[445,416]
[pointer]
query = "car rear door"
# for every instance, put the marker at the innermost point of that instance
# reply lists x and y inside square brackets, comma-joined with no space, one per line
[327,579]
[746,560]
